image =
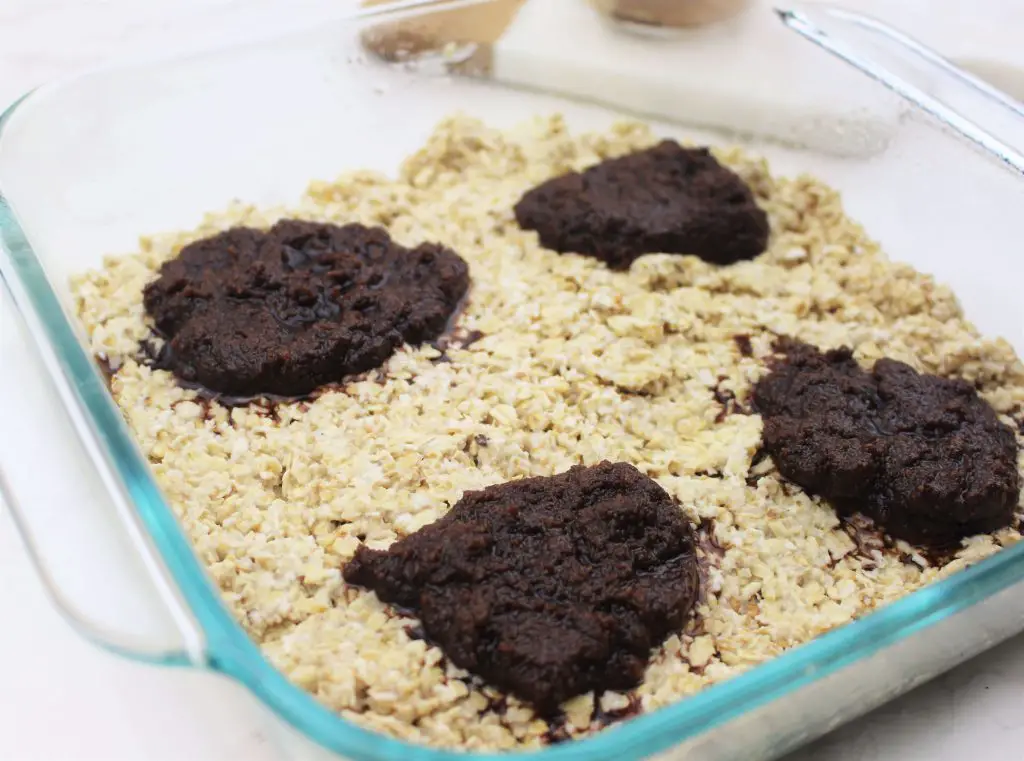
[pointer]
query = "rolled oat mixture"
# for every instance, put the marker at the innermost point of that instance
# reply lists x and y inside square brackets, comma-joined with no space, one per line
[556,361]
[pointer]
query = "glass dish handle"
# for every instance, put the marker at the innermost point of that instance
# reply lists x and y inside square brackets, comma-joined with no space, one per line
[962,103]
[94,561]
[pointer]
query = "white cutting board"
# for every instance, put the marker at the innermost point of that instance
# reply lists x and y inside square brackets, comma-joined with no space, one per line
[749,73]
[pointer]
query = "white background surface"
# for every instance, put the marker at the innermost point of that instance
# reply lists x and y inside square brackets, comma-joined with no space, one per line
[60,698]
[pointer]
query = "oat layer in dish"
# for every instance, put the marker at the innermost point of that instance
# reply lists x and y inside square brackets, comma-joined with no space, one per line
[574,364]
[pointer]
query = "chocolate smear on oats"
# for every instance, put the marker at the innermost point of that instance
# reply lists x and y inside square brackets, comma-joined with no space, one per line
[665,199]
[248,313]
[924,456]
[547,587]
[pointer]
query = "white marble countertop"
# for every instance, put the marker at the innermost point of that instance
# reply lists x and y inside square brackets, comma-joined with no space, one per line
[65,699]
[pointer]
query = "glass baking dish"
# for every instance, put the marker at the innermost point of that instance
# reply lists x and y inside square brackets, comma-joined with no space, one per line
[88,165]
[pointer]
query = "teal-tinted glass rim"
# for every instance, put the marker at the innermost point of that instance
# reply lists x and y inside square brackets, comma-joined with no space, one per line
[230,651]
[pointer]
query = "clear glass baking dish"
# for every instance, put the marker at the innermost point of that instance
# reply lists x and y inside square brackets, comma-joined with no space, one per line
[89,164]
